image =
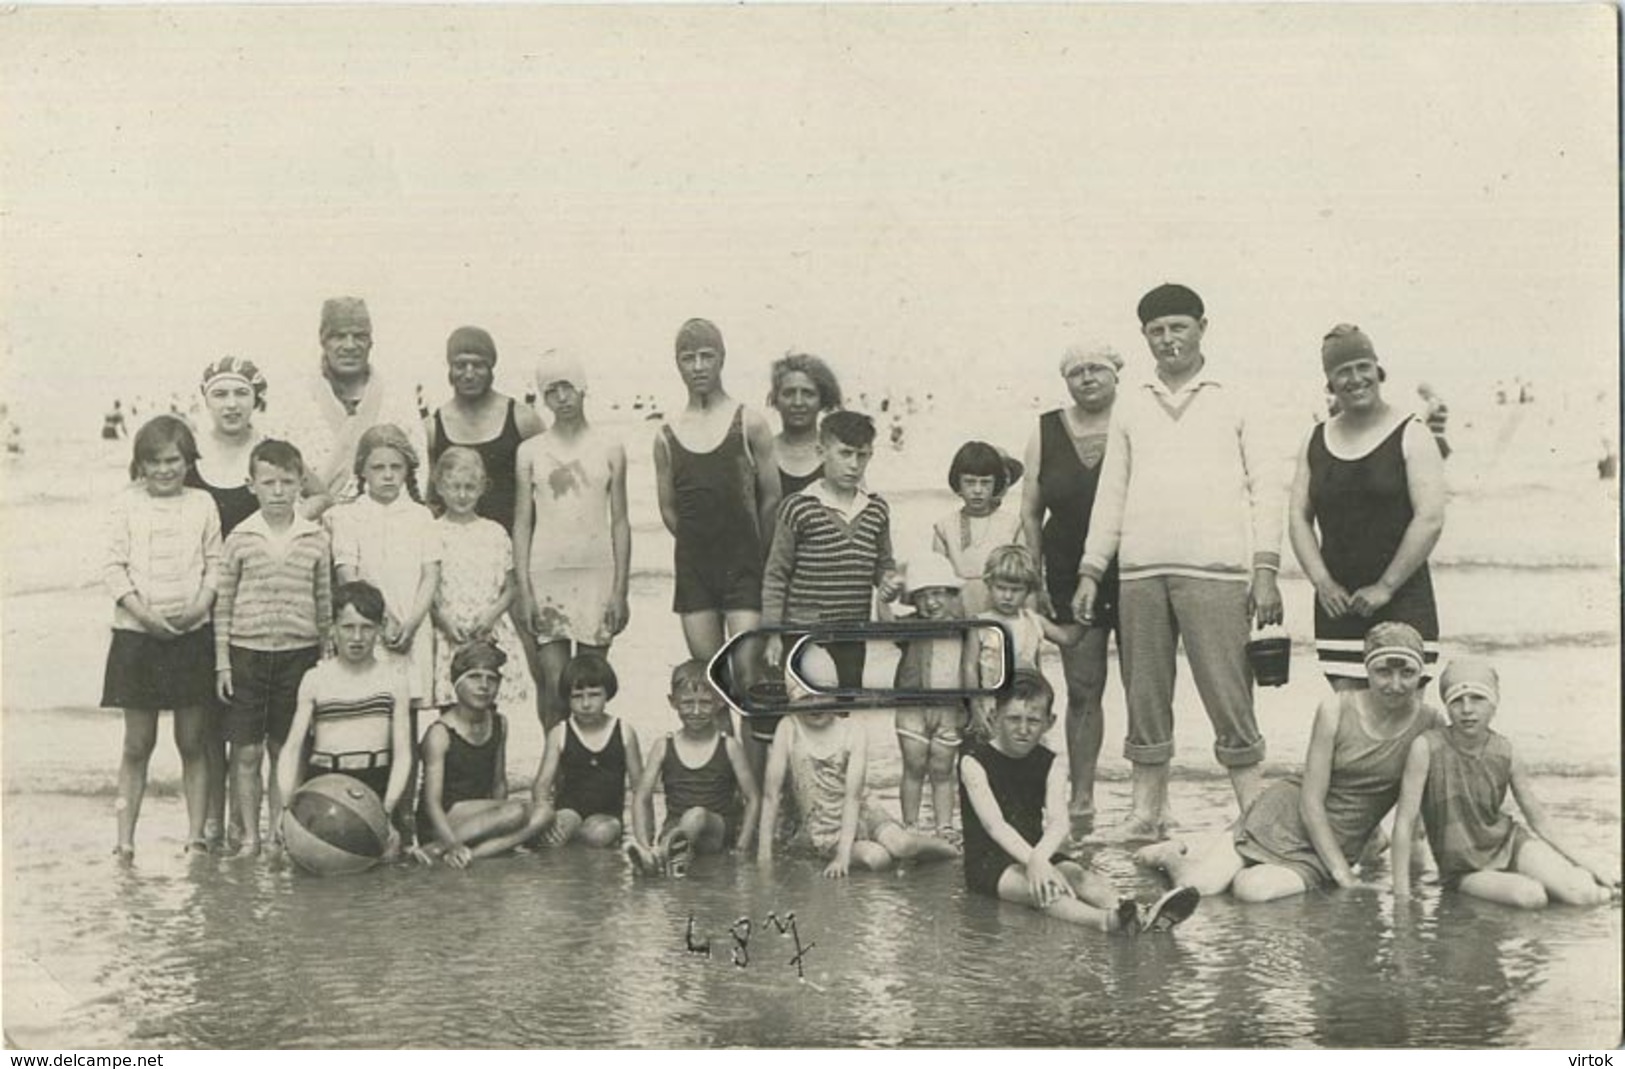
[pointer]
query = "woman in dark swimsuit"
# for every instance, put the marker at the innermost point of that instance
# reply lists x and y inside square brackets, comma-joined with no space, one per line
[233,390]
[481,418]
[1063,462]
[492,424]
[1371,481]
[804,388]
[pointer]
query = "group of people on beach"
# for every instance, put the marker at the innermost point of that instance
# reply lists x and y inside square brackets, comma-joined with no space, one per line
[344,597]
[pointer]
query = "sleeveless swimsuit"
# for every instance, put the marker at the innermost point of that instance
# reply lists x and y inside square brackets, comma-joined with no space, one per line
[498,454]
[718,559]
[712,786]
[1461,807]
[470,773]
[592,782]
[1364,786]
[1362,508]
[234,503]
[1067,485]
[1018,785]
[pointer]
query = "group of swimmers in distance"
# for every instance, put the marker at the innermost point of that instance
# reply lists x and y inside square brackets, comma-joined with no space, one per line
[270,637]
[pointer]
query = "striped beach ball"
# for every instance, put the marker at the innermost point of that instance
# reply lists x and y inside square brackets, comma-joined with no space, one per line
[335,825]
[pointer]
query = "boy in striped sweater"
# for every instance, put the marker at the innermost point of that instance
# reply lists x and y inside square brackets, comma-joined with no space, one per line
[274,605]
[831,548]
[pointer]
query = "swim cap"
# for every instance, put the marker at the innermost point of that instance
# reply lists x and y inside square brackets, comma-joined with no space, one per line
[1170,299]
[558,365]
[339,313]
[471,340]
[1344,344]
[1470,675]
[1092,353]
[700,334]
[1393,639]
[479,653]
[235,367]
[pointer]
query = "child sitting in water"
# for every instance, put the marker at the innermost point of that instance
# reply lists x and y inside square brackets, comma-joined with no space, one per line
[1013,797]
[980,474]
[1012,579]
[591,761]
[464,811]
[826,758]
[711,794]
[929,735]
[355,709]
[160,568]
[1457,778]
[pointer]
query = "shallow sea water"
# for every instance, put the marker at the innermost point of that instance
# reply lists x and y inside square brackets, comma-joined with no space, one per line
[567,949]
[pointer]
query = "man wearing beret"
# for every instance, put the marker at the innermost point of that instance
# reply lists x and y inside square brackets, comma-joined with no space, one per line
[1190,503]
[327,416]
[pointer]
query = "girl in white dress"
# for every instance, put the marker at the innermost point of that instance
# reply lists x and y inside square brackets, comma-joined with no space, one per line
[388,538]
[980,474]
[476,576]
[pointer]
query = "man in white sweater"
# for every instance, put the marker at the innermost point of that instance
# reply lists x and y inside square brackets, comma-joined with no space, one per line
[1190,503]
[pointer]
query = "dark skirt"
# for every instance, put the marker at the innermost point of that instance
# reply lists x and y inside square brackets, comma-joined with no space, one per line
[147,672]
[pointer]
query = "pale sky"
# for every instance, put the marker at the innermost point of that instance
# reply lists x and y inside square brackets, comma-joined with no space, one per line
[951,190]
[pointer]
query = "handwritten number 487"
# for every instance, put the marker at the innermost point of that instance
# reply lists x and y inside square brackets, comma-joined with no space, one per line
[740,931]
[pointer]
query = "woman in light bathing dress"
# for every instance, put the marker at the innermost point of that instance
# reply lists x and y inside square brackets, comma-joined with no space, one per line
[1308,830]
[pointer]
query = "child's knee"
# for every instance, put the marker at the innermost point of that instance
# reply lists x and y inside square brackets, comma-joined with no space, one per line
[601,831]
[942,761]
[245,757]
[138,745]
[1529,894]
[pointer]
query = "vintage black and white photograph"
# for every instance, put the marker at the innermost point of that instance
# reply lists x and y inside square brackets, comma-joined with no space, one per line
[792,526]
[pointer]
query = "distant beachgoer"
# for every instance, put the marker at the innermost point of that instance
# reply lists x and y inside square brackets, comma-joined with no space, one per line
[326,417]
[929,735]
[477,584]
[572,538]
[113,424]
[1190,504]
[981,475]
[1014,796]
[803,389]
[1372,482]
[484,419]
[1457,779]
[712,801]
[826,758]
[161,566]
[1011,576]
[1437,416]
[354,710]
[590,763]
[273,614]
[388,538]
[1064,459]
[1307,831]
[464,812]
